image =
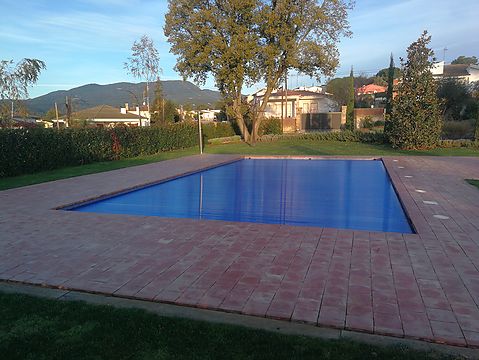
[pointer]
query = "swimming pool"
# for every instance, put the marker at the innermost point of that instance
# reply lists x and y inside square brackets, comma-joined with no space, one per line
[344,194]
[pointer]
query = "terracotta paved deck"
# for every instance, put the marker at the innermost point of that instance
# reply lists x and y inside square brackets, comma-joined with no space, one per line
[418,286]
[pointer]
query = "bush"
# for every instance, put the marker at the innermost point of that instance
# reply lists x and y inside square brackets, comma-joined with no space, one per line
[367,122]
[379,123]
[216,130]
[271,126]
[346,136]
[458,130]
[458,143]
[24,151]
[225,140]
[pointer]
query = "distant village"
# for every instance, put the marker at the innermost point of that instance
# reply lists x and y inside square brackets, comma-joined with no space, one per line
[300,109]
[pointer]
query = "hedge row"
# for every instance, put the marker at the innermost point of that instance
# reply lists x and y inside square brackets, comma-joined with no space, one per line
[217,130]
[467,143]
[271,126]
[24,151]
[345,135]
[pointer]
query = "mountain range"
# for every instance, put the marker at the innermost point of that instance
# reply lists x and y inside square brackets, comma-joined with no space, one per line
[86,96]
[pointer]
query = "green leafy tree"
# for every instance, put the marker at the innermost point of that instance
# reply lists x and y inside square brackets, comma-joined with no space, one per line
[384,73]
[458,100]
[166,113]
[15,78]
[339,88]
[389,96]
[468,60]
[164,110]
[301,35]
[144,63]
[51,114]
[416,117]
[240,42]
[350,109]
[215,38]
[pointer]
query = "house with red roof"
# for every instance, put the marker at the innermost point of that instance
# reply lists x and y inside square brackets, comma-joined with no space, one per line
[371,89]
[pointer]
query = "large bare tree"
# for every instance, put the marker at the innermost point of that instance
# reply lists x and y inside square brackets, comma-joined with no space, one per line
[144,63]
[240,42]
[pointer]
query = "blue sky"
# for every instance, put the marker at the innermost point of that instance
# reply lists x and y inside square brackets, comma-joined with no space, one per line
[87,41]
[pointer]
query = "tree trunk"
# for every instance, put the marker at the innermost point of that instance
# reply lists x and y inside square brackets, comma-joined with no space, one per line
[259,116]
[240,120]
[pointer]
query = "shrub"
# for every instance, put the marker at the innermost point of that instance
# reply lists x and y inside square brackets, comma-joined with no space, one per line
[458,130]
[346,136]
[25,151]
[379,123]
[458,143]
[367,122]
[225,140]
[216,130]
[416,117]
[271,126]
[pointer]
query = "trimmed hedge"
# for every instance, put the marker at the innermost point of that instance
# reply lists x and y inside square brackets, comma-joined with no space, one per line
[345,135]
[225,140]
[24,151]
[460,143]
[216,130]
[271,126]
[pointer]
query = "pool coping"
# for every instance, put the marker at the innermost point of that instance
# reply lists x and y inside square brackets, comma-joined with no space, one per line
[78,204]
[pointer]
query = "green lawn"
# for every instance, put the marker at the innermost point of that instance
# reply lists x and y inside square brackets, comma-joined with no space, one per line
[310,147]
[35,328]
[283,147]
[473,182]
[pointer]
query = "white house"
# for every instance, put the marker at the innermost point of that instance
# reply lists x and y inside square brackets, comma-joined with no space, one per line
[291,103]
[109,116]
[143,110]
[463,72]
[209,115]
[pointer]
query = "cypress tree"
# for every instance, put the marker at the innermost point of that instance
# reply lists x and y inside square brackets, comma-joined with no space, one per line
[350,108]
[416,116]
[389,97]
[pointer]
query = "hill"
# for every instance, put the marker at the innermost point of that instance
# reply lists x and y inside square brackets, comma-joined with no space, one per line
[86,96]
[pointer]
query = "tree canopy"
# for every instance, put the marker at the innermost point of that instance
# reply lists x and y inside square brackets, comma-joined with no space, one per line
[16,78]
[458,100]
[468,60]
[144,63]
[385,73]
[241,42]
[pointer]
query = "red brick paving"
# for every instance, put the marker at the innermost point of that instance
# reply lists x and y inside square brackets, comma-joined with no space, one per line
[423,285]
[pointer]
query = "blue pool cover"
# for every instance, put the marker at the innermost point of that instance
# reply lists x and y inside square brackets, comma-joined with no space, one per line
[344,194]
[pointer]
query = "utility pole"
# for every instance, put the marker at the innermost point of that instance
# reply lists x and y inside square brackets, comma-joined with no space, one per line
[56,113]
[286,92]
[68,104]
[12,111]
[444,57]
[199,132]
